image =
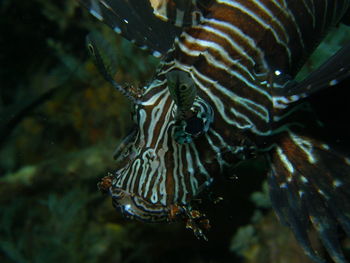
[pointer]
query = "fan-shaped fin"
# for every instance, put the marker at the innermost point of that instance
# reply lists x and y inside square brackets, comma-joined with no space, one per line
[333,71]
[134,20]
[180,12]
[310,185]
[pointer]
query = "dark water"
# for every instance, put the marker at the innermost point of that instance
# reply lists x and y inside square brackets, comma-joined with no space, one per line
[59,124]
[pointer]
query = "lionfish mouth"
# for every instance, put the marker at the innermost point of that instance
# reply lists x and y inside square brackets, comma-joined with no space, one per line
[133,206]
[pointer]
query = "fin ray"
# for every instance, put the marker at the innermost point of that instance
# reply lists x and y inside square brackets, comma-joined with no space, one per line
[134,20]
[310,186]
[180,12]
[290,211]
[330,73]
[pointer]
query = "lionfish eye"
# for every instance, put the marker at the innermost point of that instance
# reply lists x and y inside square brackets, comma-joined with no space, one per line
[196,122]
[194,126]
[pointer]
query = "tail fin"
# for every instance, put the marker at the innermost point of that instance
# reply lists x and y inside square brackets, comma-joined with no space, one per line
[310,186]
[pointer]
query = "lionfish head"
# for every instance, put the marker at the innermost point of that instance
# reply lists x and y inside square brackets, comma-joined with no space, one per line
[163,161]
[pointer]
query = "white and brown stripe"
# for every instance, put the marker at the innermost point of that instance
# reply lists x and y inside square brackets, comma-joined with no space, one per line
[231,55]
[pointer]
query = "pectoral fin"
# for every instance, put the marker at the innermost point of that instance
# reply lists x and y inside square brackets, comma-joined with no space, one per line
[332,72]
[310,186]
[135,21]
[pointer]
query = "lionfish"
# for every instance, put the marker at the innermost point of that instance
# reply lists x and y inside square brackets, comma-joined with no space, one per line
[223,93]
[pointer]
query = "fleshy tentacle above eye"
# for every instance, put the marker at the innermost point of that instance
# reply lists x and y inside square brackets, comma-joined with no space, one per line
[193,114]
[182,90]
[105,72]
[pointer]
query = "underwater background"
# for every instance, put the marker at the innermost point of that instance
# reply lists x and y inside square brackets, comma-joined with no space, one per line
[60,122]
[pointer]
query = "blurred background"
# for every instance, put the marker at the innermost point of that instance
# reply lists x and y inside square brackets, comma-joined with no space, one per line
[60,122]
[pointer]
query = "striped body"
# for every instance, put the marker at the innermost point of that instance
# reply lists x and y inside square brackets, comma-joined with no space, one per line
[232,57]
[233,60]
